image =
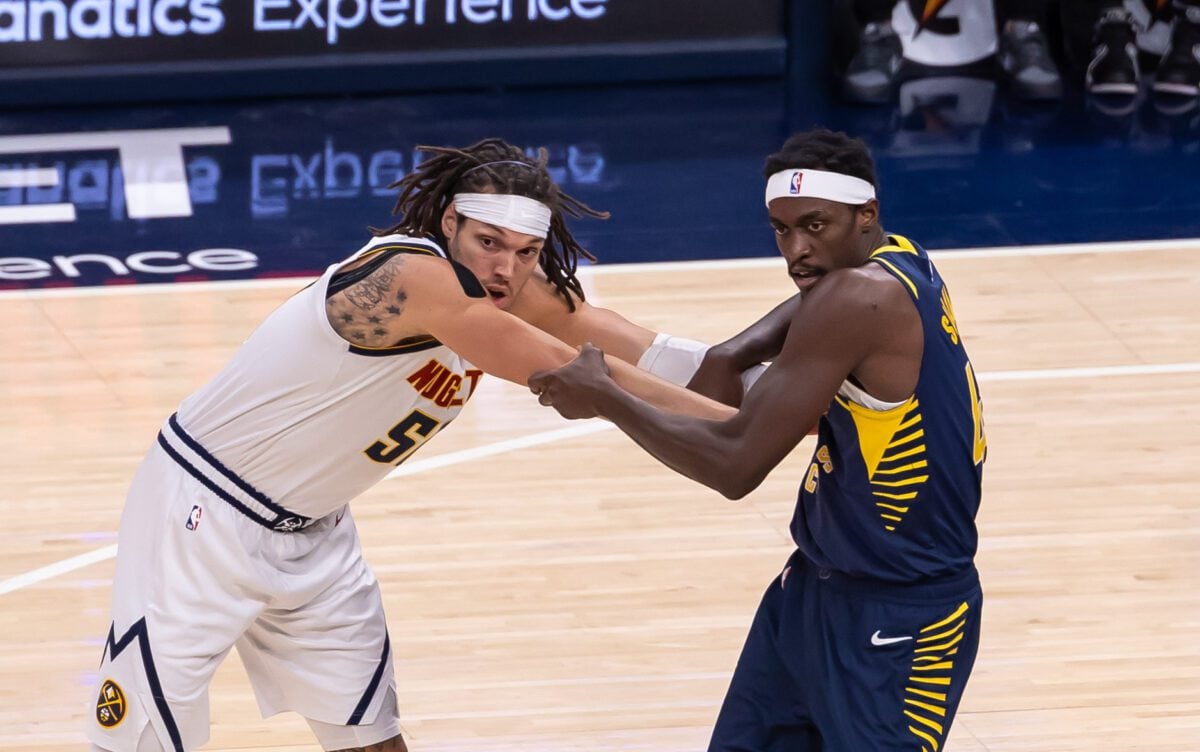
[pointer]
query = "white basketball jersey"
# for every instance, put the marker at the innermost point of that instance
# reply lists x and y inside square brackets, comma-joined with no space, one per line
[310,420]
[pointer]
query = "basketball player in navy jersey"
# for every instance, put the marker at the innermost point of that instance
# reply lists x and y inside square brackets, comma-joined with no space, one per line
[866,638]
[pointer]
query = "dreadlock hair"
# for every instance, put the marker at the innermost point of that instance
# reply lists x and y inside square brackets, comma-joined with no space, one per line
[493,166]
[823,149]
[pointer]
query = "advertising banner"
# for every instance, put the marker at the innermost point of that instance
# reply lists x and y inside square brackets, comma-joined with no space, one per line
[285,188]
[305,43]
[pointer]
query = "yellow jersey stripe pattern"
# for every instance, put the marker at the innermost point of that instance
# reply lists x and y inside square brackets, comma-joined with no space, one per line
[933,662]
[893,450]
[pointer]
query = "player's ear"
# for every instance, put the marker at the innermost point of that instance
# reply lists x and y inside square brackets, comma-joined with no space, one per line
[867,216]
[449,221]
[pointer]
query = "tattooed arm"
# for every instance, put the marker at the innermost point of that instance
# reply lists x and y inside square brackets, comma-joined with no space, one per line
[370,312]
[415,297]
[429,301]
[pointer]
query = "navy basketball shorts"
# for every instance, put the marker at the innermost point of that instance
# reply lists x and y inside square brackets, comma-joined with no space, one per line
[838,664]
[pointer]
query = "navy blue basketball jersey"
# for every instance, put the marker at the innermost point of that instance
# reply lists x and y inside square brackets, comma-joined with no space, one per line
[891,494]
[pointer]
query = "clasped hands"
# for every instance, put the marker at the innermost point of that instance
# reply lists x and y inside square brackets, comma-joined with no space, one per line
[573,389]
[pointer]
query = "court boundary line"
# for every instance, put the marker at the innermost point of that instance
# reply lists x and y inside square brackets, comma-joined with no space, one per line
[766,262]
[65,566]
[50,571]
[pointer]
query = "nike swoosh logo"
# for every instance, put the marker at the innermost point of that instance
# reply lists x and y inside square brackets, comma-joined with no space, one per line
[877,640]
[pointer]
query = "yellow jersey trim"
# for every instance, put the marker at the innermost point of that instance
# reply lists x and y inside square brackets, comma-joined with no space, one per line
[899,275]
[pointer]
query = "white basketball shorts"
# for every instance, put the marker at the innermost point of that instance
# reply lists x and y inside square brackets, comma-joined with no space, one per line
[196,576]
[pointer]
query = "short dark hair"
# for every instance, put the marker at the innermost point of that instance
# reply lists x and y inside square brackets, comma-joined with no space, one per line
[494,166]
[823,149]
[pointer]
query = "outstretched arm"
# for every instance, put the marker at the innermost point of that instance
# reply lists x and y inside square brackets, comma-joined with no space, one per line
[673,358]
[734,456]
[433,303]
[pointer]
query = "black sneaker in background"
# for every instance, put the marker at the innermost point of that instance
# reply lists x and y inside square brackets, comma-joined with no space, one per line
[1025,58]
[871,77]
[1114,67]
[1179,71]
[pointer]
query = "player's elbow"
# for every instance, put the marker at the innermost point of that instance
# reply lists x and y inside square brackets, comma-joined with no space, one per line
[735,486]
[733,469]
[734,493]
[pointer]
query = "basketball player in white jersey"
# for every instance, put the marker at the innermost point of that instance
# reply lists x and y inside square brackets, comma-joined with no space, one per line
[236,529]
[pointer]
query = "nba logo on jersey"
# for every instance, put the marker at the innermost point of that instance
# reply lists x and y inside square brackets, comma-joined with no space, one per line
[193,520]
[795,187]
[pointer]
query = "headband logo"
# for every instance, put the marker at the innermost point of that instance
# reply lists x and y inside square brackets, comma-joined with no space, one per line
[831,186]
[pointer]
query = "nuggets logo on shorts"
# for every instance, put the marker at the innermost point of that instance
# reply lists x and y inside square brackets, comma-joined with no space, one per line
[110,705]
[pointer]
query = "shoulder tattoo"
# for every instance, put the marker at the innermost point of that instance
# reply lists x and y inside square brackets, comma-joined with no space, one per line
[361,313]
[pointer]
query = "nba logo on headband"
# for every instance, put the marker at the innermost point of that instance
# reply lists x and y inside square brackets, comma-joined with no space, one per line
[831,186]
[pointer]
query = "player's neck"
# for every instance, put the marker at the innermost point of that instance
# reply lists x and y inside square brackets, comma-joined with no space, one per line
[873,240]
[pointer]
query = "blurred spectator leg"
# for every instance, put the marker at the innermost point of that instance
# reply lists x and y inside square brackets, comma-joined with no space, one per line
[1024,53]
[1114,70]
[872,73]
[1179,71]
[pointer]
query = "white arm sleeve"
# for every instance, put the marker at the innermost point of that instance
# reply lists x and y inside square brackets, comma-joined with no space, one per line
[677,359]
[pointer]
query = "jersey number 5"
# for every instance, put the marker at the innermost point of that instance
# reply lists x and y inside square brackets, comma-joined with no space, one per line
[405,437]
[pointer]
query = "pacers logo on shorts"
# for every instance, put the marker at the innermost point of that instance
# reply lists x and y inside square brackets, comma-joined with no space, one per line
[110,705]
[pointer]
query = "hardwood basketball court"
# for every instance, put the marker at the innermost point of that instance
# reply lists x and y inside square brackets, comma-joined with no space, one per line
[549,587]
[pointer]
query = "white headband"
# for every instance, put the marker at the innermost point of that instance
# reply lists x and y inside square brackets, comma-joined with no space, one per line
[832,186]
[516,213]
